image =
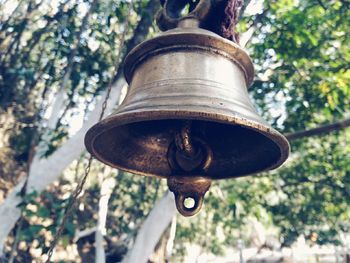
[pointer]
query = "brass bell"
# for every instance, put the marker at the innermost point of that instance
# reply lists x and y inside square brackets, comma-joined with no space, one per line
[187,116]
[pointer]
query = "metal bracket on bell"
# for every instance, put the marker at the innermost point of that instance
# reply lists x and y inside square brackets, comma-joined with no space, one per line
[170,15]
[188,156]
[188,188]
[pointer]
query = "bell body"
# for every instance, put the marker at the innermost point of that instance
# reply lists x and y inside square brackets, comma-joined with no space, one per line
[188,74]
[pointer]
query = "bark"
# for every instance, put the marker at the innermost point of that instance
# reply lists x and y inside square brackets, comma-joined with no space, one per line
[248,35]
[152,229]
[83,233]
[45,171]
[193,252]
[53,166]
[164,247]
[59,100]
[243,8]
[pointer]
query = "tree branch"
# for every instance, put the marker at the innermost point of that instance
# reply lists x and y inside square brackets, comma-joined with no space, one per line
[321,130]
[322,5]
[107,185]
[152,229]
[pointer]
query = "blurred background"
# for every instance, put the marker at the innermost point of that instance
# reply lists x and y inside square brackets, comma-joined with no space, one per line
[57,59]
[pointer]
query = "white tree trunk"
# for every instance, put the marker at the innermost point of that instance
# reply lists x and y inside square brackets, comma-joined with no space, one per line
[193,253]
[107,186]
[152,229]
[258,234]
[170,243]
[9,214]
[60,97]
[56,108]
[45,171]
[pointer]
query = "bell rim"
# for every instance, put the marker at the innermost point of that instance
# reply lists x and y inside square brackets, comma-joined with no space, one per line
[121,119]
[186,39]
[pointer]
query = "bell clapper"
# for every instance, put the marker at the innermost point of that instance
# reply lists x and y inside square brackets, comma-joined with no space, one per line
[188,156]
[183,140]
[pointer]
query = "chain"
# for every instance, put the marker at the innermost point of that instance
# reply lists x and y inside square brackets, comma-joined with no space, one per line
[74,197]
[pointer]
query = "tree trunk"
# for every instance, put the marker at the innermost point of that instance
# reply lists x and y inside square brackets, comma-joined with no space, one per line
[45,171]
[193,252]
[336,126]
[9,214]
[107,186]
[170,243]
[152,229]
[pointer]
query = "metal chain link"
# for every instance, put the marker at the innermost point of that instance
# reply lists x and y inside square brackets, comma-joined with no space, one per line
[81,184]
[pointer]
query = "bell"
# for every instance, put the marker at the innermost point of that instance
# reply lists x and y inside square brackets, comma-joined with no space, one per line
[187,116]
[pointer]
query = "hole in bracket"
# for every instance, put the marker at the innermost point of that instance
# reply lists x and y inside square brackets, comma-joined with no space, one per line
[189,203]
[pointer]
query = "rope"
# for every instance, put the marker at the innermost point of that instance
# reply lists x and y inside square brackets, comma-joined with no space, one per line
[224,18]
[228,25]
[80,186]
[218,16]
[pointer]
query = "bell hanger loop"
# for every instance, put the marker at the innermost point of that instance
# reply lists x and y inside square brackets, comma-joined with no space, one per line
[192,188]
[189,157]
[170,16]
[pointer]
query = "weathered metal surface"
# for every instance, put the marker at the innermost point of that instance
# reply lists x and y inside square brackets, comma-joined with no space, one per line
[188,74]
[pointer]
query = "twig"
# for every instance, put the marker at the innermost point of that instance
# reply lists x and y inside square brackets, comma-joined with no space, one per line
[321,130]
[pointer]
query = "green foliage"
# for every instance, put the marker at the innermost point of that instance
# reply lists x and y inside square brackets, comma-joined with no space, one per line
[133,199]
[316,190]
[301,50]
[306,47]
[42,214]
